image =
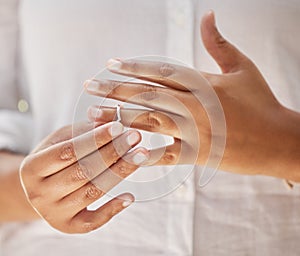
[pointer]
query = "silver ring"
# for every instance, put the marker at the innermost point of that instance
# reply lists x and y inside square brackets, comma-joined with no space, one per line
[118,113]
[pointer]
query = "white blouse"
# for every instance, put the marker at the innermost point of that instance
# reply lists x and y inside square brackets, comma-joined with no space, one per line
[48,48]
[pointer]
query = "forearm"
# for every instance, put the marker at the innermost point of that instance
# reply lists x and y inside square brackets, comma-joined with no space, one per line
[13,203]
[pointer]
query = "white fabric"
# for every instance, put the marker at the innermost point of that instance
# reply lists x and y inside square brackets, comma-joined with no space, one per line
[8,52]
[15,128]
[15,131]
[65,42]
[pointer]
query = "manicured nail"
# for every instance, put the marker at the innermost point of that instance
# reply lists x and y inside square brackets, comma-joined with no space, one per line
[127,199]
[116,129]
[114,64]
[133,138]
[95,112]
[126,203]
[91,85]
[140,157]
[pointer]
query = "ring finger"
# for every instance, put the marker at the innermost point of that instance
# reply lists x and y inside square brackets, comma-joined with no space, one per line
[147,120]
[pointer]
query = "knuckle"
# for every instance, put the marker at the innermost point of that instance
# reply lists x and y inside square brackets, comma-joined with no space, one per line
[220,41]
[130,66]
[113,88]
[166,70]
[149,93]
[123,171]
[153,120]
[133,66]
[88,227]
[81,173]
[170,157]
[110,212]
[67,152]
[92,192]
[114,211]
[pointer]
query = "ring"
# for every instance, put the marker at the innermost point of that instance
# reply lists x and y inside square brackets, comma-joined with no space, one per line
[118,113]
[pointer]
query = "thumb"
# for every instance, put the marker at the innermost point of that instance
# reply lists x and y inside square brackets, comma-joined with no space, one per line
[227,56]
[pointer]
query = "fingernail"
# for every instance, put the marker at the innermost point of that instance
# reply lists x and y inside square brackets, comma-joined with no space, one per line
[133,138]
[128,200]
[126,203]
[114,64]
[91,85]
[139,158]
[95,112]
[116,129]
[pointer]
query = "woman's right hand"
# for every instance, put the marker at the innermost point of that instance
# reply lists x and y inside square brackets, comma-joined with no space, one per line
[66,173]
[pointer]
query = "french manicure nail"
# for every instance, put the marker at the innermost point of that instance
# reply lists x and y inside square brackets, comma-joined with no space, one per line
[114,64]
[116,129]
[139,158]
[133,138]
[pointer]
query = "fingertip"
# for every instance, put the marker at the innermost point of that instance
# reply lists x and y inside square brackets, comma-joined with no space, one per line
[134,137]
[114,64]
[86,83]
[116,129]
[140,156]
[211,16]
[94,113]
[91,85]
[208,21]
[127,199]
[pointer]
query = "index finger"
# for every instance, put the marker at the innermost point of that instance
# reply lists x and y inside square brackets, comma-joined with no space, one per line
[66,133]
[64,154]
[170,75]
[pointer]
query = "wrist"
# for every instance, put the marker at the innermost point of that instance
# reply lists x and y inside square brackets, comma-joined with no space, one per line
[284,158]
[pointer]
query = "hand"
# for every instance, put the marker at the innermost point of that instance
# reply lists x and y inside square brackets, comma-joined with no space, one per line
[256,122]
[65,174]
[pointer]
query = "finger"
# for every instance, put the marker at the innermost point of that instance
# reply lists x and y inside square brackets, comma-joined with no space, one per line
[102,184]
[170,75]
[64,154]
[113,176]
[66,133]
[227,56]
[89,167]
[178,153]
[156,97]
[147,120]
[86,221]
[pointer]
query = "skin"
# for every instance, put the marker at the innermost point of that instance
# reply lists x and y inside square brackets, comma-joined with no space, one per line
[14,204]
[263,137]
[257,126]
[70,169]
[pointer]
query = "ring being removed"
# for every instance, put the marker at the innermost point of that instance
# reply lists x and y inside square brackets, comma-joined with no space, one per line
[118,113]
